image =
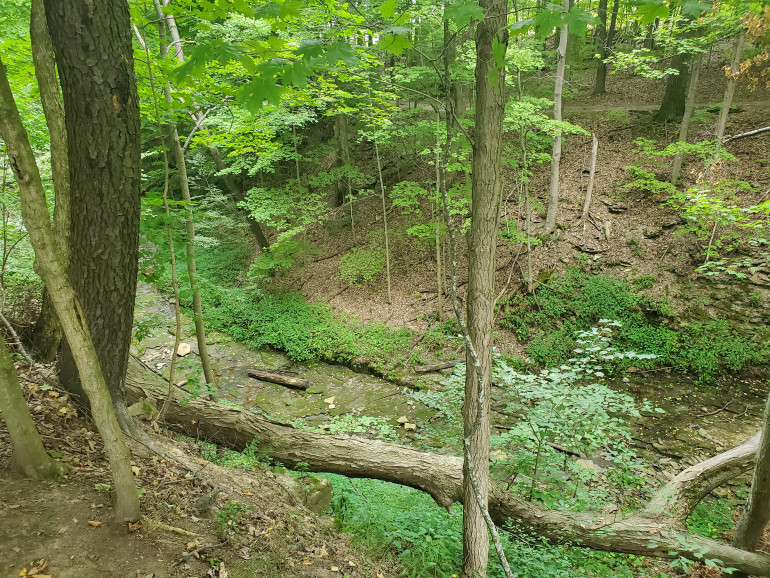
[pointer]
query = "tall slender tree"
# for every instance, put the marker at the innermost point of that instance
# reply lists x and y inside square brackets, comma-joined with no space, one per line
[92,44]
[486,193]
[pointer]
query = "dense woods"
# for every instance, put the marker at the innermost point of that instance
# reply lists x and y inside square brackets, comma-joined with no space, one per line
[496,273]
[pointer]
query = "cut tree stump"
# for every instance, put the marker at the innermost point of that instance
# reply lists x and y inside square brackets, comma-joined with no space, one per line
[437,366]
[285,380]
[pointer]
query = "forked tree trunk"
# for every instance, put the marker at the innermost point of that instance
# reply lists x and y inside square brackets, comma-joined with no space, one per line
[561,54]
[49,263]
[656,529]
[689,107]
[486,194]
[47,333]
[29,455]
[92,43]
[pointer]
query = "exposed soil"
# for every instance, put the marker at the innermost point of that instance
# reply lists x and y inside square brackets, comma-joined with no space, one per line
[63,529]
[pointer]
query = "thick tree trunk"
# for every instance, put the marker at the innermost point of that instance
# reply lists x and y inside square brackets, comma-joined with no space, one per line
[656,530]
[486,192]
[692,91]
[342,137]
[673,105]
[92,42]
[47,333]
[553,198]
[755,517]
[29,454]
[49,263]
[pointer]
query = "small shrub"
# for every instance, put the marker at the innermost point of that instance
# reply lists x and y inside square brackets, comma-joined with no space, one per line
[360,266]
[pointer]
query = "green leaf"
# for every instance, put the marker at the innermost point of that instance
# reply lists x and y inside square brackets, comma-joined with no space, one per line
[648,10]
[340,51]
[296,74]
[102,487]
[498,52]
[462,12]
[548,19]
[388,8]
[254,94]
[310,49]
[694,8]
[521,26]
[395,40]
[578,21]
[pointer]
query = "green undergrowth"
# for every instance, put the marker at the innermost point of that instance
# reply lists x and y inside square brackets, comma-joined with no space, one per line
[283,320]
[427,540]
[574,301]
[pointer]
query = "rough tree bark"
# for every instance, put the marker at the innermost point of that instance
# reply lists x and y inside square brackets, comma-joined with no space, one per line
[49,264]
[92,43]
[47,333]
[658,529]
[29,455]
[672,107]
[486,192]
[561,54]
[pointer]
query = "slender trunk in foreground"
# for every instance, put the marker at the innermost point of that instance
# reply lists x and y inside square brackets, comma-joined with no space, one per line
[553,197]
[181,167]
[47,333]
[49,263]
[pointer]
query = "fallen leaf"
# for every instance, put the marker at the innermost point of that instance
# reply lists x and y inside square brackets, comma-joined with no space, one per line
[94,523]
[329,400]
[307,562]
[135,526]
[335,568]
[247,493]
[63,410]
[136,470]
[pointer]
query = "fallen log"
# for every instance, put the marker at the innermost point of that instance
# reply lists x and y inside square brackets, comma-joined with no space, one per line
[293,382]
[657,530]
[437,366]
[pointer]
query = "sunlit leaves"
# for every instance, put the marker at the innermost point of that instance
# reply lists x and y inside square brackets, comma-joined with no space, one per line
[648,10]
[463,11]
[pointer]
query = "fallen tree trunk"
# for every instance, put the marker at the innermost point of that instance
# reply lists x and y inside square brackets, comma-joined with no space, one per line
[657,530]
[437,366]
[293,382]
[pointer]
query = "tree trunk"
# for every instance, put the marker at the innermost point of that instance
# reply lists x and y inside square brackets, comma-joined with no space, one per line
[553,198]
[655,530]
[735,68]
[689,107]
[47,333]
[384,217]
[49,263]
[237,193]
[601,49]
[181,167]
[751,526]
[486,191]
[672,108]
[29,454]
[92,43]
[591,177]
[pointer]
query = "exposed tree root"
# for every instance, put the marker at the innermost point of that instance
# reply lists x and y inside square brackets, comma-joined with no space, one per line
[657,530]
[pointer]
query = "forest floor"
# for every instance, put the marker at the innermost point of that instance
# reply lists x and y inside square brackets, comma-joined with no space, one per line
[252,527]
[630,233]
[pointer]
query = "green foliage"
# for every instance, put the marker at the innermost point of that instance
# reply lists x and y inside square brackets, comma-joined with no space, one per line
[575,301]
[230,517]
[362,265]
[277,258]
[426,541]
[378,427]
[711,518]
[562,407]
